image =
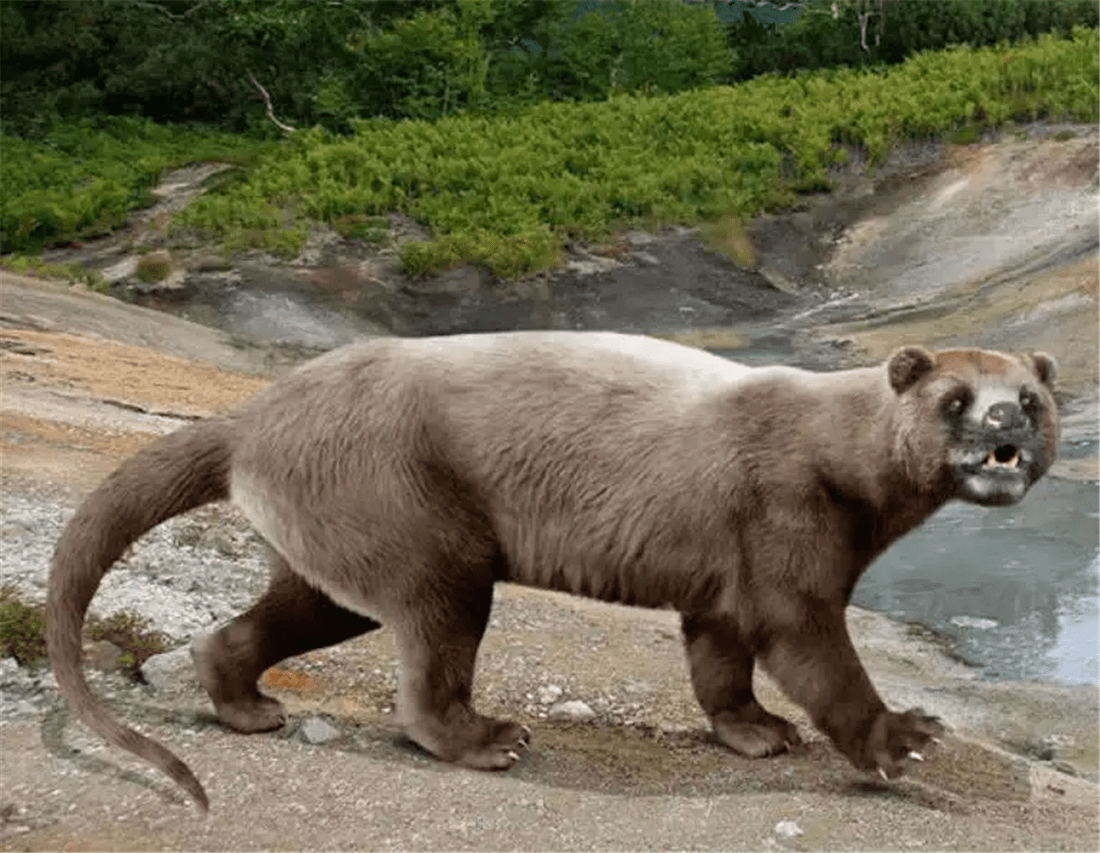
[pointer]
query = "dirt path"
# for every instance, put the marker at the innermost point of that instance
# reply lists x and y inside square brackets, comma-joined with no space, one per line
[643,775]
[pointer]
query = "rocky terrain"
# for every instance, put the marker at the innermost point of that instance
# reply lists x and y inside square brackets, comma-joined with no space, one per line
[621,756]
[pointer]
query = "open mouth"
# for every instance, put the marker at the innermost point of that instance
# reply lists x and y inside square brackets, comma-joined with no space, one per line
[1003,457]
[996,477]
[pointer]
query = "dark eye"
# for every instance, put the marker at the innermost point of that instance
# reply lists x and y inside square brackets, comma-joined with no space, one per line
[1029,401]
[957,401]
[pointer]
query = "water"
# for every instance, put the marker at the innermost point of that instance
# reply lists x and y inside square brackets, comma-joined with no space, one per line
[1016,588]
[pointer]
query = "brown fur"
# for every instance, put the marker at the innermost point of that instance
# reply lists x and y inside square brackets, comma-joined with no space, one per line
[397,480]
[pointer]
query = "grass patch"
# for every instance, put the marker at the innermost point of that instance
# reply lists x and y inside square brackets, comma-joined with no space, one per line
[83,179]
[372,229]
[727,236]
[23,633]
[73,273]
[22,627]
[507,191]
[155,266]
[707,338]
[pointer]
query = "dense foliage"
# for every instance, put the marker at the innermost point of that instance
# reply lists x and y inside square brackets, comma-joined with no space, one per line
[84,177]
[457,112]
[869,32]
[331,62]
[506,191]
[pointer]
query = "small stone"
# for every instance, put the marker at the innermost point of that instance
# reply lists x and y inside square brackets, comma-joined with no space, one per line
[787,829]
[549,694]
[162,671]
[573,711]
[104,656]
[317,731]
[11,675]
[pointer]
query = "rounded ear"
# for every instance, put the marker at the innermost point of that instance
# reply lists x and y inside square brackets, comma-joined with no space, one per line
[907,365]
[1045,367]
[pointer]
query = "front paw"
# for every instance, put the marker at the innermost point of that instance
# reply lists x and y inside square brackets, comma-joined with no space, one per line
[897,739]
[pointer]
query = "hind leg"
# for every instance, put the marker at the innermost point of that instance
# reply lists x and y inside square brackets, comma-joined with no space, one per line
[438,651]
[721,673]
[292,617]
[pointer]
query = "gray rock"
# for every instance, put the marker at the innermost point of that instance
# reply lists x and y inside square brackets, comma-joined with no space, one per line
[573,711]
[103,655]
[12,676]
[46,681]
[317,731]
[549,694]
[168,669]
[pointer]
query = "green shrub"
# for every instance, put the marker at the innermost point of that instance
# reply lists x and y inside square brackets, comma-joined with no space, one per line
[828,34]
[83,179]
[22,627]
[156,266]
[132,634]
[23,632]
[33,265]
[588,50]
[507,191]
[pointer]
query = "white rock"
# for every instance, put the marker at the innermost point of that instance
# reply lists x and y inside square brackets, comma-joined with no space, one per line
[165,670]
[317,731]
[574,711]
[787,829]
[46,681]
[549,694]
[11,675]
[974,622]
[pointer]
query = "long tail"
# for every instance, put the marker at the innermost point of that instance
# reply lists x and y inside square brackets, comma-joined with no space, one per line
[181,471]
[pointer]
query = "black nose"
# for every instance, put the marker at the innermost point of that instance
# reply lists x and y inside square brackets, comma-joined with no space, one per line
[1004,416]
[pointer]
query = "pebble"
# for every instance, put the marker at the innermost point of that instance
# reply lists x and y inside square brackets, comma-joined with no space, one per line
[11,674]
[103,655]
[787,829]
[549,694]
[318,731]
[168,669]
[574,711]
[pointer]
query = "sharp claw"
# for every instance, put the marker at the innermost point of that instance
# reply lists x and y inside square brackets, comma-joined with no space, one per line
[916,756]
[936,741]
[882,773]
[512,755]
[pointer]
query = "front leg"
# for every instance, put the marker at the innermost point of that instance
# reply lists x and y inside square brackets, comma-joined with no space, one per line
[813,660]
[721,673]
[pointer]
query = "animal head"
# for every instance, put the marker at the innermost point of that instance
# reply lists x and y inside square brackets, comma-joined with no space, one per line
[988,420]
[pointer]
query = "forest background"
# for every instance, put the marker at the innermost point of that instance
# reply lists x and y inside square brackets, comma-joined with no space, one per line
[504,126]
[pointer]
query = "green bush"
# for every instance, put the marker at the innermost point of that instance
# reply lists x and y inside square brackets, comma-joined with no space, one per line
[23,632]
[22,628]
[824,38]
[132,634]
[588,50]
[84,178]
[329,63]
[507,191]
